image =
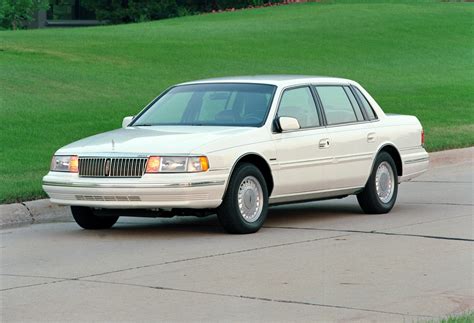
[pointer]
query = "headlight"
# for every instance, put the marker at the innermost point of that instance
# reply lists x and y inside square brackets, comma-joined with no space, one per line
[65,164]
[177,164]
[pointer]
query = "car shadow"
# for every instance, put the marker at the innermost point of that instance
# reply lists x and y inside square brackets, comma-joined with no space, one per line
[176,225]
[311,212]
[285,215]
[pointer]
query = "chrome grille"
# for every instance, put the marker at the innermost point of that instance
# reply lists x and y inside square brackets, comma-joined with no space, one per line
[111,167]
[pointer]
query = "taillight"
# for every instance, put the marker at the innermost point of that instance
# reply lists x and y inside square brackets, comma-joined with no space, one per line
[422,137]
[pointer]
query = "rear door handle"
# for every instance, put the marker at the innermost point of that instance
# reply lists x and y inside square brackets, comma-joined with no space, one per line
[324,143]
[371,137]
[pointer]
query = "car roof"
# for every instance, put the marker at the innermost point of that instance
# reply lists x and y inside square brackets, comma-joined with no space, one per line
[279,80]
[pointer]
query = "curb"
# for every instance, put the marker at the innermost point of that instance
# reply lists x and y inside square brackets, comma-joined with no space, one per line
[450,157]
[39,211]
[43,211]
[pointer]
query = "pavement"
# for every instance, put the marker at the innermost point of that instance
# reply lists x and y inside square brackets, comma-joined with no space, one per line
[318,261]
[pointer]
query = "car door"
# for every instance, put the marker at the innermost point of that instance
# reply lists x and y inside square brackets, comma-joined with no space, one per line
[351,135]
[300,155]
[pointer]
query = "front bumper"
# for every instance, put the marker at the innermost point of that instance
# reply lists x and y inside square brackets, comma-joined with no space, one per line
[192,190]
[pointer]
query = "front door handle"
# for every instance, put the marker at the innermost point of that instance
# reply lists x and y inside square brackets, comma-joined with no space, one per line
[371,137]
[324,143]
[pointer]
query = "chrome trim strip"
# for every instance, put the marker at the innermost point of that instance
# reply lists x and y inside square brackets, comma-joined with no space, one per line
[325,160]
[306,162]
[417,160]
[351,123]
[135,185]
[411,148]
[218,169]
[293,197]
[353,157]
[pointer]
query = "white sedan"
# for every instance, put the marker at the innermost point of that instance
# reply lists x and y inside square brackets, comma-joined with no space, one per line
[233,146]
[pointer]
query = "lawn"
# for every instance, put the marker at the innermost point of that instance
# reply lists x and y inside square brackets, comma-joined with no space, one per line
[467,317]
[59,85]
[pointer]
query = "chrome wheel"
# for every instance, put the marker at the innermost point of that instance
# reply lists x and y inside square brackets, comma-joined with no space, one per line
[250,199]
[384,182]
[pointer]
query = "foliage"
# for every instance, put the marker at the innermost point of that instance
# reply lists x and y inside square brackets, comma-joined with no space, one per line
[117,11]
[123,11]
[224,4]
[16,14]
[466,317]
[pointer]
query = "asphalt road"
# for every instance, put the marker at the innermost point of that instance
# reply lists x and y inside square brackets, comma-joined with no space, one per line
[311,262]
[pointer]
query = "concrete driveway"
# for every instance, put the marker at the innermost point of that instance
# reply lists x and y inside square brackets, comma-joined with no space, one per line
[321,261]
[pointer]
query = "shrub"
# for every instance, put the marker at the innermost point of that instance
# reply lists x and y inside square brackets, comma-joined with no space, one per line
[118,11]
[123,11]
[16,14]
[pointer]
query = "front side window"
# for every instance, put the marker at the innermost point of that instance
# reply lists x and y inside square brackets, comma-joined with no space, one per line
[299,104]
[216,104]
[336,104]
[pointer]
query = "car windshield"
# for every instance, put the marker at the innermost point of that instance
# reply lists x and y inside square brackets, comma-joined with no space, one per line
[216,104]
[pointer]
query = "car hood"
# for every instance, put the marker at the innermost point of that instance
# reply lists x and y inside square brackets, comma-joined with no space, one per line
[153,140]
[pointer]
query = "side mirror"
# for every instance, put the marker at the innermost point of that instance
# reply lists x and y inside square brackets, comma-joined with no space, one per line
[126,121]
[288,124]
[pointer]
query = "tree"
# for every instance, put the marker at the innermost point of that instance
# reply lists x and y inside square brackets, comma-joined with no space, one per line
[118,11]
[16,14]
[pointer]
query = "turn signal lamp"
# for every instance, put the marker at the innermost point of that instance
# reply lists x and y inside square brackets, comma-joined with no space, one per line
[74,164]
[204,163]
[153,165]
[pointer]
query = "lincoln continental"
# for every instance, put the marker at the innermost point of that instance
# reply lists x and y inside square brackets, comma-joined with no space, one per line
[235,146]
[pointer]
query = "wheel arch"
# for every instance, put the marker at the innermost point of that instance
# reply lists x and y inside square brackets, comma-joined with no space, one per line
[260,162]
[394,153]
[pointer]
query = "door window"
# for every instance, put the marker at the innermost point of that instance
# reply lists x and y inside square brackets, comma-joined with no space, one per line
[299,103]
[336,104]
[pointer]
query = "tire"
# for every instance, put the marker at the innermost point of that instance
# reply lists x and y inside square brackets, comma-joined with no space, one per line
[247,184]
[378,202]
[86,219]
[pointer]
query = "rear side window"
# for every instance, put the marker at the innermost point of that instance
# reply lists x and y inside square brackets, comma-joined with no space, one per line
[336,104]
[299,103]
[355,105]
[366,105]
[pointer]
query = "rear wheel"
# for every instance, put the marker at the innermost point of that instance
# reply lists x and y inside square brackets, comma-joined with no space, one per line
[86,219]
[380,192]
[245,204]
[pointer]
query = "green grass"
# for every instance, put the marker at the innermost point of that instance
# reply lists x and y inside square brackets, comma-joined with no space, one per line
[59,85]
[467,317]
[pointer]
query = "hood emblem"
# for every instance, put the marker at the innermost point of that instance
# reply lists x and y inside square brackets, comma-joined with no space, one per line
[113,145]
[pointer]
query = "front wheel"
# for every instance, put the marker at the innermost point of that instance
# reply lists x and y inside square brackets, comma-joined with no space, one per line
[245,204]
[380,192]
[86,219]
